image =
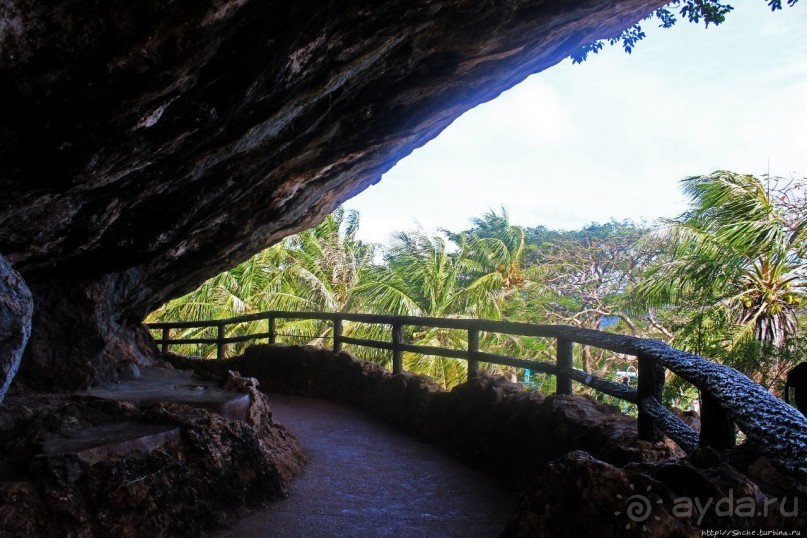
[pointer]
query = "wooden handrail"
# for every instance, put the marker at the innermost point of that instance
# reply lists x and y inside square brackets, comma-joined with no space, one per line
[731,397]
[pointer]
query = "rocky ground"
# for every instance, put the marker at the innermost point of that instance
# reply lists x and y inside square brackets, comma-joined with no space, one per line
[579,495]
[102,463]
[78,465]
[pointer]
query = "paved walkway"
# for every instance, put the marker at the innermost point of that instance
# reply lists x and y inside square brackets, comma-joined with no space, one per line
[367,479]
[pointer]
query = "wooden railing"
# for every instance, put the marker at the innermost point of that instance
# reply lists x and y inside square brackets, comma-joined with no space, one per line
[727,396]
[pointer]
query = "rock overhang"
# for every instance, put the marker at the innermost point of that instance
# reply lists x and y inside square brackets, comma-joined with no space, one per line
[148,147]
[192,134]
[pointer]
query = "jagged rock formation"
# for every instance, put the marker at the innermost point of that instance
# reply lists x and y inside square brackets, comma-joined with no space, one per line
[16,307]
[578,495]
[79,465]
[146,147]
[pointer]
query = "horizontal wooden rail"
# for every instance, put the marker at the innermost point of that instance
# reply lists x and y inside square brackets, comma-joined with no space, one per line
[675,428]
[378,344]
[732,397]
[504,360]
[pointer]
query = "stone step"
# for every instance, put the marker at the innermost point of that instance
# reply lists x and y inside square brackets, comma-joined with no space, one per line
[157,385]
[92,445]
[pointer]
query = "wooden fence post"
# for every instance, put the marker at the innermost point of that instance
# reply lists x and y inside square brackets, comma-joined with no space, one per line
[473,353]
[164,342]
[717,428]
[337,335]
[271,330]
[650,384]
[220,341]
[397,354]
[565,355]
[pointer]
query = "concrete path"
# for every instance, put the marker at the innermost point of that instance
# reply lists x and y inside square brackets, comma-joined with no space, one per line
[367,479]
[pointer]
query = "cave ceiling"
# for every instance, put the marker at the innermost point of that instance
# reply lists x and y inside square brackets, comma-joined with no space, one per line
[168,141]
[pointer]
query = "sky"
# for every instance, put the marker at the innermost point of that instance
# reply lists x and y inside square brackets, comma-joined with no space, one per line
[611,138]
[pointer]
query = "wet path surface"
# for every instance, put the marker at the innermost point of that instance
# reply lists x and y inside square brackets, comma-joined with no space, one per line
[367,479]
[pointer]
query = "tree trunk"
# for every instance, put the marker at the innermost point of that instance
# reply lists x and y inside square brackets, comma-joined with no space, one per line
[586,359]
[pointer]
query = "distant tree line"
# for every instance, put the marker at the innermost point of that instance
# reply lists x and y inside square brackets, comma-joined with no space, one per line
[726,279]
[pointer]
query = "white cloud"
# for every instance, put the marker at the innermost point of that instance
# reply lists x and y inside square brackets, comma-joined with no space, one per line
[613,137]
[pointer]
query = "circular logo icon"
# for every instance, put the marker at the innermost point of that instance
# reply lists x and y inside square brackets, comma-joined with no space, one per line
[638,507]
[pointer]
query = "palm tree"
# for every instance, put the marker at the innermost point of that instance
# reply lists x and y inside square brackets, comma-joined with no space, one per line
[315,270]
[424,276]
[327,268]
[734,259]
[325,265]
[241,290]
[328,261]
[495,250]
[420,278]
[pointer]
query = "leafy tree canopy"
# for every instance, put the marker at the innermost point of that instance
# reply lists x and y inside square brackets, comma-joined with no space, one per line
[726,279]
[736,259]
[709,11]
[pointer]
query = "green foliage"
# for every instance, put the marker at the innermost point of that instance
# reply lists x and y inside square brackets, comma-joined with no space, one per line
[725,280]
[470,274]
[734,273]
[579,278]
[734,261]
[679,393]
[709,11]
[316,270]
[766,363]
